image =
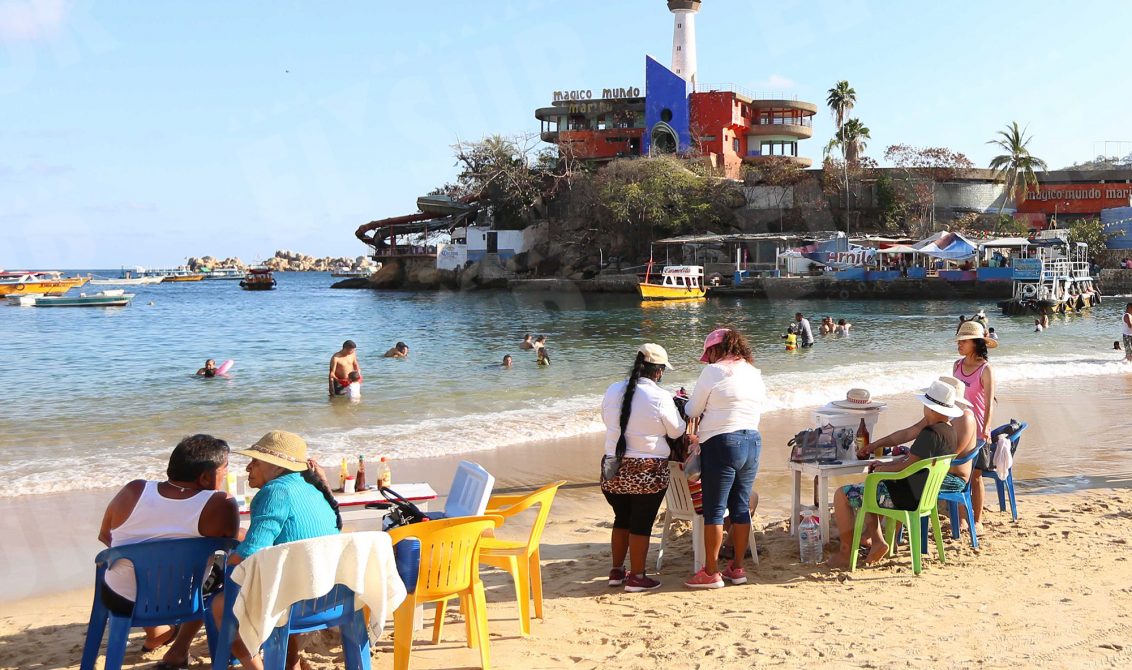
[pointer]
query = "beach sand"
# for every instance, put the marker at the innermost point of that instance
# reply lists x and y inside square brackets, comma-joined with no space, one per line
[1052,590]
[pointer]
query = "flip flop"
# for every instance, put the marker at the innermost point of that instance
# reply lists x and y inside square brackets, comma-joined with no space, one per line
[162,665]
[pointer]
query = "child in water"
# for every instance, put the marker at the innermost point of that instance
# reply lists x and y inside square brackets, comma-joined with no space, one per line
[209,369]
[543,357]
[354,390]
[791,338]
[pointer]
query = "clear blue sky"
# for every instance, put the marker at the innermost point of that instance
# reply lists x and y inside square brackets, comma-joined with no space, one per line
[144,132]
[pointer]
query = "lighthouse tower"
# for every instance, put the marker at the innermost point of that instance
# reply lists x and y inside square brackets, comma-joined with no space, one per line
[684,38]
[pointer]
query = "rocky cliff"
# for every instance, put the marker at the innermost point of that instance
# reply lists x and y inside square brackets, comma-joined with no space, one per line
[288,261]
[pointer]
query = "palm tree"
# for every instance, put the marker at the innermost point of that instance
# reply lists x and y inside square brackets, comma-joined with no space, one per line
[840,101]
[1015,168]
[851,137]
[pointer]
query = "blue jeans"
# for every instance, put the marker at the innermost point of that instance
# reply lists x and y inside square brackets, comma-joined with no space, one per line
[730,462]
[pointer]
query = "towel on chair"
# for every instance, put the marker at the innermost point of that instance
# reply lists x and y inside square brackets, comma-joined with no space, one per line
[273,579]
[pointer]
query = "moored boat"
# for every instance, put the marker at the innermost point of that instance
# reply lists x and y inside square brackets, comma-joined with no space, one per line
[108,298]
[226,274]
[258,279]
[43,283]
[1055,280]
[675,282]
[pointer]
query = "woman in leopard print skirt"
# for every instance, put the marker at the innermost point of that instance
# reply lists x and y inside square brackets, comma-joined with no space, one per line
[638,416]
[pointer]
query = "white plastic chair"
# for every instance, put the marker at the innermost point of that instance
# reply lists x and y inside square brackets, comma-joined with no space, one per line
[678,505]
[469,493]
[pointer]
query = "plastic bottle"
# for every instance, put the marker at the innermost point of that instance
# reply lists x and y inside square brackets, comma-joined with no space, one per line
[809,537]
[343,473]
[384,474]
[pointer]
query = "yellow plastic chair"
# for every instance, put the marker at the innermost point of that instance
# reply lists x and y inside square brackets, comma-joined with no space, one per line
[520,558]
[450,553]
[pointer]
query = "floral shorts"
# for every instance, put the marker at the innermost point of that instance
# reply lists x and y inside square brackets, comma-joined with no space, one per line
[856,493]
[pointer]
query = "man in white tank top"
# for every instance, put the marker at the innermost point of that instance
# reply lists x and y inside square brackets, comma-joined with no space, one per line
[188,504]
[1126,331]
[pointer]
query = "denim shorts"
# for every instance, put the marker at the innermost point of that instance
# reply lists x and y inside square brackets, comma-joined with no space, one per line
[730,463]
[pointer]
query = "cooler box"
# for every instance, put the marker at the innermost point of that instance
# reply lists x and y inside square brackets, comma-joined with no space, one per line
[832,415]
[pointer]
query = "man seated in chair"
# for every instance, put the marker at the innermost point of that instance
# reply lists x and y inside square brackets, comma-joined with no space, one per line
[936,438]
[965,439]
[188,504]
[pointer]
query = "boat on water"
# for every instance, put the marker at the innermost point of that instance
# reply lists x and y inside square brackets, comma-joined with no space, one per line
[127,279]
[107,298]
[181,274]
[358,272]
[1054,279]
[23,299]
[258,279]
[675,282]
[225,274]
[43,283]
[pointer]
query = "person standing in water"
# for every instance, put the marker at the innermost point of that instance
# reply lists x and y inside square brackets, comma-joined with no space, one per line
[1126,329]
[341,365]
[805,334]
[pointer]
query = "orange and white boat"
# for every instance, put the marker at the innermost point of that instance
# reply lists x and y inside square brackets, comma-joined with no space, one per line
[42,283]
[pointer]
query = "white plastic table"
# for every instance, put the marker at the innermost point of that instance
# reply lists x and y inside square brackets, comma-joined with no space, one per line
[352,506]
[823,472]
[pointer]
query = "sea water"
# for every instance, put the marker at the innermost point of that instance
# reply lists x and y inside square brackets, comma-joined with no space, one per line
[98,395]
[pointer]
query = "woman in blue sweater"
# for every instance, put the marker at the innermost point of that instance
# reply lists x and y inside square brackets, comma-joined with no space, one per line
[294,503]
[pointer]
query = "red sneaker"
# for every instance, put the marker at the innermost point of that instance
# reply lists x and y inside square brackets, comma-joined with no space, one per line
[617,576]
[638,583]
[702,580]
[735,575]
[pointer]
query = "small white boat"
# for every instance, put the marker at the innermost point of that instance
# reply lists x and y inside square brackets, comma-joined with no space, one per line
[224,274]
[108,298]
[125,281]
[24,300]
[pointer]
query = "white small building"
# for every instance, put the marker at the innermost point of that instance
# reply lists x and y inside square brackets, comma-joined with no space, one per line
[472,243]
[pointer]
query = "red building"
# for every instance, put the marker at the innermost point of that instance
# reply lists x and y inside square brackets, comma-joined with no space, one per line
[732,128]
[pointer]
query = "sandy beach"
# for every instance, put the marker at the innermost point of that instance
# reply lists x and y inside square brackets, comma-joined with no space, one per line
[1051,590]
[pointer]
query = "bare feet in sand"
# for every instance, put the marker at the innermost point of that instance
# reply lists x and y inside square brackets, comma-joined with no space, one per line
[877,552]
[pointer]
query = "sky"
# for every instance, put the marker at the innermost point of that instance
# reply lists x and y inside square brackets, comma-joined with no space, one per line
[142,133]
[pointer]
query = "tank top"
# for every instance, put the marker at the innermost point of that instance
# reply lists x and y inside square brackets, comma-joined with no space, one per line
[154,517]
[1124,323]
[974,392]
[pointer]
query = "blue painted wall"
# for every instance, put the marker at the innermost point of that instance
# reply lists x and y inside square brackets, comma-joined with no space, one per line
[664,89]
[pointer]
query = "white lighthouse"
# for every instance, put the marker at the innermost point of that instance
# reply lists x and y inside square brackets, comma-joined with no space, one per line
[684,38]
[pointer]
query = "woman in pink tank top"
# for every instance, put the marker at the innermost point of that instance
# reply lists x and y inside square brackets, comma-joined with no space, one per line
[974,370]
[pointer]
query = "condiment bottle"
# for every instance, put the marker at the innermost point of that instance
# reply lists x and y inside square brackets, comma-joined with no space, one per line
[360,480]
[385,475]
[342,475]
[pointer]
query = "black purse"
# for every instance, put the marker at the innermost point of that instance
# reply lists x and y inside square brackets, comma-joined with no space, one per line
[401,512]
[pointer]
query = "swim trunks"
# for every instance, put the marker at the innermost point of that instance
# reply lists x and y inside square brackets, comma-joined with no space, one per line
[339,386]
[855,493]
[952,484]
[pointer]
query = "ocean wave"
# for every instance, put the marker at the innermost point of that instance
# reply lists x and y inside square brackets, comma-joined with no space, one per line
[572,416]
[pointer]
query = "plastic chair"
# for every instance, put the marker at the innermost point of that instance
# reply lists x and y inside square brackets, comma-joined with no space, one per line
[678,505]
[954,500]
[469,493]
[1005,485]
[335,609]
[169,575]
[449,568]
[519,558]
[910,519]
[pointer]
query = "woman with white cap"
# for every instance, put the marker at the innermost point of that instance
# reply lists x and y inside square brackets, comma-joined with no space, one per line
[975,372]
[638,416]
[294,503]
[937,438]
[728,399]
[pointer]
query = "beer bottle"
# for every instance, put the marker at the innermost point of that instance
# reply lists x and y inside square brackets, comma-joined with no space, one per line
[862,438]
[360,484]
[385,475]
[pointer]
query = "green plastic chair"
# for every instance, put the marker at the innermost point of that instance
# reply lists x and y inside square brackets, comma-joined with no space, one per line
[910,519]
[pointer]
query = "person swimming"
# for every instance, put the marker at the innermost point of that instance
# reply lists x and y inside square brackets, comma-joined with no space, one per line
[506,361]
[209,369]
[543,356]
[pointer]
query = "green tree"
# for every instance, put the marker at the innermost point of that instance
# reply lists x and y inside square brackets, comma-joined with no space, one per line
[1092,233]
[853,138]
[1009,226]
[840,100]
[1016,167]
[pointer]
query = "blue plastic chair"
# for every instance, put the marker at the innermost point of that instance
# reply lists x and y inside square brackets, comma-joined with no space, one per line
[169,574]
[333,610]
[1005,484]
[956,498]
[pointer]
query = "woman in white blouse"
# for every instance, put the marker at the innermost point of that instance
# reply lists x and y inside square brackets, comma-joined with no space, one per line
[638,417]
[728,399]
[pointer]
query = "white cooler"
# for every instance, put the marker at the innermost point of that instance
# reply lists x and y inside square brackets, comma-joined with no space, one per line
[840,417]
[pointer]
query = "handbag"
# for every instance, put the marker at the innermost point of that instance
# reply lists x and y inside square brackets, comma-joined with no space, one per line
[807,446]
[402,512]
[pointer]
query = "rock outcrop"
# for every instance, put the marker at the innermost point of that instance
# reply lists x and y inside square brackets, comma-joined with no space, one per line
[289,261]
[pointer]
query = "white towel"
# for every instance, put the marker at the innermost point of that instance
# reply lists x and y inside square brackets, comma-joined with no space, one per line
[273,579]
[1003,459]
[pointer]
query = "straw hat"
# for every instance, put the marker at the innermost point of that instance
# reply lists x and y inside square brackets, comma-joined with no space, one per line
[972,330]
[287,450]
[960,389]
[940,398]
[655,354]
[858,399]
